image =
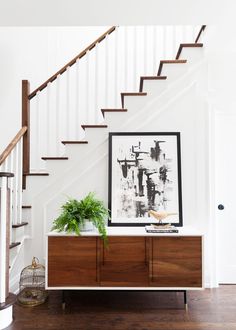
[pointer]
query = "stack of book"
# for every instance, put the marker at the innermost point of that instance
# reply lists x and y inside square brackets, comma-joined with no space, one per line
[161,229]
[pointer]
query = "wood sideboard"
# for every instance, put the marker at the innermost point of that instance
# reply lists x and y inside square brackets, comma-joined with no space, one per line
[137,260]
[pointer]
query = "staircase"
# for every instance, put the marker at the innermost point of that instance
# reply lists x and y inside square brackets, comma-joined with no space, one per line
[79,164]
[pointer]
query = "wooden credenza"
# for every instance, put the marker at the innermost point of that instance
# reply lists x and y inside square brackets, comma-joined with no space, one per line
[160,261]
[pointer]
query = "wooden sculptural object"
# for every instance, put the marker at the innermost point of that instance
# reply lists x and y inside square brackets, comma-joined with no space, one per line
[160,215]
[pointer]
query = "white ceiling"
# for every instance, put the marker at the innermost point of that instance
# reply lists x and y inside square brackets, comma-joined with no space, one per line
[115,12]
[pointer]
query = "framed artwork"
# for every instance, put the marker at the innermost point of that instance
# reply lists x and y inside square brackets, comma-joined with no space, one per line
[144,175]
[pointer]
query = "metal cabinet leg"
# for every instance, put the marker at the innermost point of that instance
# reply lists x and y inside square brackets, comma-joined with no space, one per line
[185,299]
[63,305]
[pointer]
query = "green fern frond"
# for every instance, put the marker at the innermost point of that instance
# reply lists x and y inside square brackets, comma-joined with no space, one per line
[74,213]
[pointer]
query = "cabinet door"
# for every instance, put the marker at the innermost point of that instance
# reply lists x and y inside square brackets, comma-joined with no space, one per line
[124,262]
[72,261]
[176,262]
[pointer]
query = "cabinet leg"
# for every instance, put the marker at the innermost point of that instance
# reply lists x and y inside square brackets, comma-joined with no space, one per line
[185,299]
[63,305]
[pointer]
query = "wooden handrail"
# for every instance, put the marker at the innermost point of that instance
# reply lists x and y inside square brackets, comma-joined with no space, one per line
[72,62]
[12,144]
[200,32]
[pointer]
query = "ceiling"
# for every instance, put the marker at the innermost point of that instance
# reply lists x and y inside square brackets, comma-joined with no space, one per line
[115,12]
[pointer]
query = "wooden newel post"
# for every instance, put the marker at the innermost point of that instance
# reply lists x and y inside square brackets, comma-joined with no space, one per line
[26,122]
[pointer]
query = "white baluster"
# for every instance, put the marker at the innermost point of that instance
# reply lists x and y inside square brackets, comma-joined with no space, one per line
[5,166]
[154,34]
[77,96]
[68,105]
[145,50]
[96,73]
[57,112]
[13,185]
[116,69]
[37,132]
[11,160]
[134,58]
[106,71]
[125,58]
[174,43]
[3,242]
[47,123]
[184,36]
[19,178]
[16,188]
[87,87]
[164,42]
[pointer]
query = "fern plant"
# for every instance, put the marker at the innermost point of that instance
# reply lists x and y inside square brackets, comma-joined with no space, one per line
[74,213]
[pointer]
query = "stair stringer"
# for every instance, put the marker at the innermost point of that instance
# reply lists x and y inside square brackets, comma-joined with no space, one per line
[158,104]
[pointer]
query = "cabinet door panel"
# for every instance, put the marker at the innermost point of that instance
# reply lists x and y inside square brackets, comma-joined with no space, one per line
[72,261]
[177,262]
[124,262]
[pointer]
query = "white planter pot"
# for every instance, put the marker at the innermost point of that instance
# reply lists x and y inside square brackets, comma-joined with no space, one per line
[88,226]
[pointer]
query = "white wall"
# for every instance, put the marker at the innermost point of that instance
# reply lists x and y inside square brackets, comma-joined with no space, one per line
[222,99]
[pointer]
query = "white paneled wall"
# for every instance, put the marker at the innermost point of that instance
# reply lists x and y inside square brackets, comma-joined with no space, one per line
[95,82]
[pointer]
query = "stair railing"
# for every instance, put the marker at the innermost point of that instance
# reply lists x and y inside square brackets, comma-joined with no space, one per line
[92,81]
[11,163]
[27,96]
[11,160]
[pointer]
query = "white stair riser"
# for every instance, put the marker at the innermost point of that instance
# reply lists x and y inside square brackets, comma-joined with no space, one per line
[192,54]
[95,135]
[135,103]
[173,70]
[155,87]
[74,150]
[18,234]
[54,166]
[33,183]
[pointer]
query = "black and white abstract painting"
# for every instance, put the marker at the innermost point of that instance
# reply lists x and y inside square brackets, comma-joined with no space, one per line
[144,175]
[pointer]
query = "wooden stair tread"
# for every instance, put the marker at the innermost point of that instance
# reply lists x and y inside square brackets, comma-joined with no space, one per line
[36,174]
[6,174]
[134,94]
[130,94]
[17,225]
[190,45]
[173,61]
[94,126]
[200,44]
[10,300]
[74,142]
[169,62]
[153,77]
[12,245]
[54,158]
[113,110]
[142,78]
[26,206]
